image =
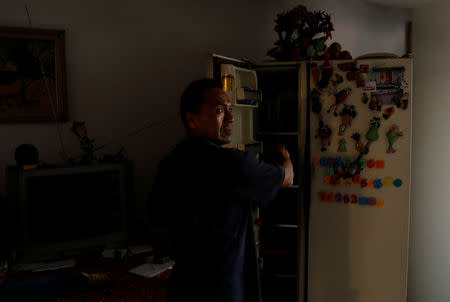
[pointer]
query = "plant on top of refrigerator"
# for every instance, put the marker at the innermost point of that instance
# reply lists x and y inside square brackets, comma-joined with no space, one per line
[302,35]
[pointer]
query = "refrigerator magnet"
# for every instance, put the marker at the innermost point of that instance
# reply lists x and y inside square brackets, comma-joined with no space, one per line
[338,79]
[339,99]
[364,68]
[326,77]
[363,182]
[359,146]
[348,181]
[346,162]
[370,163]
[316,161]
[388,112]
[377,184]
[330,171]
[371,201]
[338,162]
[324,161]
[398,183]
[372,133]
[322,196]
[342,145]
[324,134]
[393,135]
[379,164]
[363,200]
[362,163]
[388,181]
[404,101]
[347,114]
[331,162]
[374,103]
[380,203]
[365,98]
[369,86]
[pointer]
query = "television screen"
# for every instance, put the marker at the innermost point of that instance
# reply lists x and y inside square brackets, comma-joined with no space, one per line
[73,206]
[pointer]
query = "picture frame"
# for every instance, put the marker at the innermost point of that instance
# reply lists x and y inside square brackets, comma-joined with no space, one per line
[32,75]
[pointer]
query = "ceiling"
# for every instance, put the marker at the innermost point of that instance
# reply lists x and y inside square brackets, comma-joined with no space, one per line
[402,3]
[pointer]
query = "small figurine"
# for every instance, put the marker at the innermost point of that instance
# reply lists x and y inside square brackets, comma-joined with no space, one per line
[342,145]
[365,98]
[86,144]
[374,104]
[347,114]
[397,98]
[324,134]
[393,135]
[359,146]
[338,79]
[340,98]
[404,101]
[326,76]
[372,133]
[388,112]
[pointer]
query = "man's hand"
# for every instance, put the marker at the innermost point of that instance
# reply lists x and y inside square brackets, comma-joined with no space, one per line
[287,165]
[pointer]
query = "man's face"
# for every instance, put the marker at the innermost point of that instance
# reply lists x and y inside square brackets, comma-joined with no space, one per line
[215,119]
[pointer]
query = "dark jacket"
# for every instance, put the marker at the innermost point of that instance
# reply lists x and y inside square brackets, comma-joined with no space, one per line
[205,194]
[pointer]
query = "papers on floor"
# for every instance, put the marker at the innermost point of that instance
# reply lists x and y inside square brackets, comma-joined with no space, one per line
[149,270]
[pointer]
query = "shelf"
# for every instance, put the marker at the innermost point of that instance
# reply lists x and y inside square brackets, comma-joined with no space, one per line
[284,276]
[289,226]
[278,133]
[293,187]
[278,251]
[245,105]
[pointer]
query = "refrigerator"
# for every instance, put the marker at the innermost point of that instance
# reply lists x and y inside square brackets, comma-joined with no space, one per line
[350,133]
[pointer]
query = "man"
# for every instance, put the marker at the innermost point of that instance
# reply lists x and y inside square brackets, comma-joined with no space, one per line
[208,192]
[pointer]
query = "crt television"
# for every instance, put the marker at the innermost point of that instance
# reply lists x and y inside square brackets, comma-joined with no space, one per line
[58,213]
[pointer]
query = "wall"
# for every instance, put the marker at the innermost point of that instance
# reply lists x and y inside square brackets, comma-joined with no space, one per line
[128,63]
[429,262]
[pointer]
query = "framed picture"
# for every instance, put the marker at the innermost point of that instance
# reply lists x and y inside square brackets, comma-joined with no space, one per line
[32,75]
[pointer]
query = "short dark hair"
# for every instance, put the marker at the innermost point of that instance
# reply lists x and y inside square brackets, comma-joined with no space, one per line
[192,97]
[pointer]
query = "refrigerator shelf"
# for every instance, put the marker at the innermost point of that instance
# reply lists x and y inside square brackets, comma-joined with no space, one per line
[245,105]
[285,276]
[292,187]
[289,226]
[272,133]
